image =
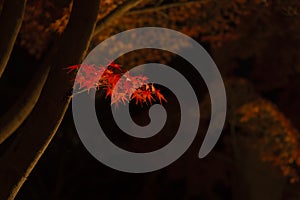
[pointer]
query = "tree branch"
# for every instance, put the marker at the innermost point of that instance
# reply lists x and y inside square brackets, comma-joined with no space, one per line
[21,109]
[10,22]
[36,133]
[164,7]
[15,116]
[115,14]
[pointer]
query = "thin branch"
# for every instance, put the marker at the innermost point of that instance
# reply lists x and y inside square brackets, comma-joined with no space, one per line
[36,133]
[164,7]
[10,22]
[15,116]
[115,14]
[21,109]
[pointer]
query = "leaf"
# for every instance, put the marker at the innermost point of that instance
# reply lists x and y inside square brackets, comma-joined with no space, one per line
[88,78]
[160,96]
[72,68]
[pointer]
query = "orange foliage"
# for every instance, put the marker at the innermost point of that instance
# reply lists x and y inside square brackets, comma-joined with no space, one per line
[275,138]
[34,34]
[1,5]
[212,21]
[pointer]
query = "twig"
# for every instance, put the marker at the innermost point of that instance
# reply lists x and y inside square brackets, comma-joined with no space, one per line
[11,120]
[164,7]
[115,14]
[10,22]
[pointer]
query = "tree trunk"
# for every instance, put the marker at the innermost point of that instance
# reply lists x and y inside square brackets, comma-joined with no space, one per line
[36,133]
[254,178]
[10,22]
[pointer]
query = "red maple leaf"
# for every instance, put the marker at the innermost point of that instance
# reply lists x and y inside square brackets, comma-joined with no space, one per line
[138,97]
[114,65]
[160,96]
[113,79]
[147,95]
[108,91]
[72,68]
[89,78]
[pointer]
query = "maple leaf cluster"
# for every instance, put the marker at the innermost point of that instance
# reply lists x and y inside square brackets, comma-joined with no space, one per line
[121,90]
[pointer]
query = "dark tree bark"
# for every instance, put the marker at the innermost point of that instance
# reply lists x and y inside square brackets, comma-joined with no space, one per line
[10,22]
[11,120]
[18,113]
[36,133]
[44,101]
[118,12]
